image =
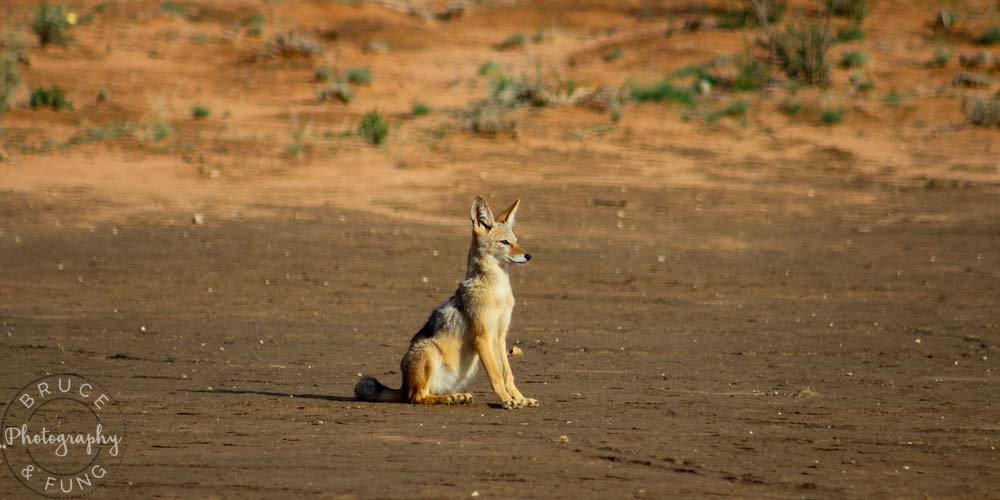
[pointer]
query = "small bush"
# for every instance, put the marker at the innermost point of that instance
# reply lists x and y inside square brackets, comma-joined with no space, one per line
[373,128]
[513,41]
[200,112]
[175,10]
[944,20]
[984,112]
[296,149]
[489,68]
[339,91]
[853,59]
[50,98]
[359,76]
[51,25]
[507,93]
[737,109]
[855,9]
[791,107]
[862,83]
[10,79]
[802,52]
[512,93]
[421,109]
[942,56]
[255,25]
[770,11]
[160,131]
[850,33]
[292,44]
[613,55]
[892,99]
[751,74]
[323,74]
[490,118]
[831,116]
[991,36]
[663,91]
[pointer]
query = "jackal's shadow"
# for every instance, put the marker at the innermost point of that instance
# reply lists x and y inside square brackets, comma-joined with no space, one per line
[342,399]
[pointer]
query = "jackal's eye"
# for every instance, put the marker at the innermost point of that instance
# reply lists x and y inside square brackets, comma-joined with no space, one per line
[505,242]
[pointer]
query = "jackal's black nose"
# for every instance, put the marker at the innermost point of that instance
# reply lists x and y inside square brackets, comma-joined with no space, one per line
[527,257]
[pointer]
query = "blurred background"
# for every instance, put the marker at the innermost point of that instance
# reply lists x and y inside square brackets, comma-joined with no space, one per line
[756,92]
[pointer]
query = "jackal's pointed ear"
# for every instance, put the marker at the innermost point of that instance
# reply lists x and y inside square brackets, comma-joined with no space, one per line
[507,216]
[482,217]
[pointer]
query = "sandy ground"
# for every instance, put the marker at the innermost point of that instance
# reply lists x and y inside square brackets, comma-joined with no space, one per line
[773,310]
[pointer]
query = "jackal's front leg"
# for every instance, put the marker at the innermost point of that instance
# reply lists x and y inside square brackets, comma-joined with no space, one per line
[487,354]
[508,374]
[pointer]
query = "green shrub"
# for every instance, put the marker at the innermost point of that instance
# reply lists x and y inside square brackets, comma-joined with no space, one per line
[373,128]
[174,9]
[200,112]
[489,68]
[255,25]
[323,74]
[10,79]
[791,107]
[160,131]
[359,76]
[736,109]
[856,9]
[338,91]
[663,91]
[802,52]
[893,99]
[421,109]
[513,41]
[490,118]
[51,26]
[297,148]
[862,83]
[614,55]
[990,36]
[832,116]
[984,112]
[944,20]
[50,98]
[942,56]
[771,11]
[850,33]
[751,73]
[853,59]
[512,92]
[292,44]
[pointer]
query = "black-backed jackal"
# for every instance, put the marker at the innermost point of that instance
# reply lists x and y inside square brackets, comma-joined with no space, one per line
[469,328]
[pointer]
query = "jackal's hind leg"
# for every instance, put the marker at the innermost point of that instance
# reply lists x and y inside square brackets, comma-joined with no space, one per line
[419,367]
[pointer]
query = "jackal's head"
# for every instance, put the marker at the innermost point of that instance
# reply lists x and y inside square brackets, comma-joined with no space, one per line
[495,236]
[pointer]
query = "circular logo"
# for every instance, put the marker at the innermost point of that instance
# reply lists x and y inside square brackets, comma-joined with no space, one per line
[62,436]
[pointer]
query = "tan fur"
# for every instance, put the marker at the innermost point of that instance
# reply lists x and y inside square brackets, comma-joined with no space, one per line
[468,329]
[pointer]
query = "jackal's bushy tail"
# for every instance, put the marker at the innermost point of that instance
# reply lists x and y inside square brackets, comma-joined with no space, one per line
[369,389]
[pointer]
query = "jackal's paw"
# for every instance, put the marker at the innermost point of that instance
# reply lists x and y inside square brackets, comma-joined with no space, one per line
[459,398]
[512,404]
